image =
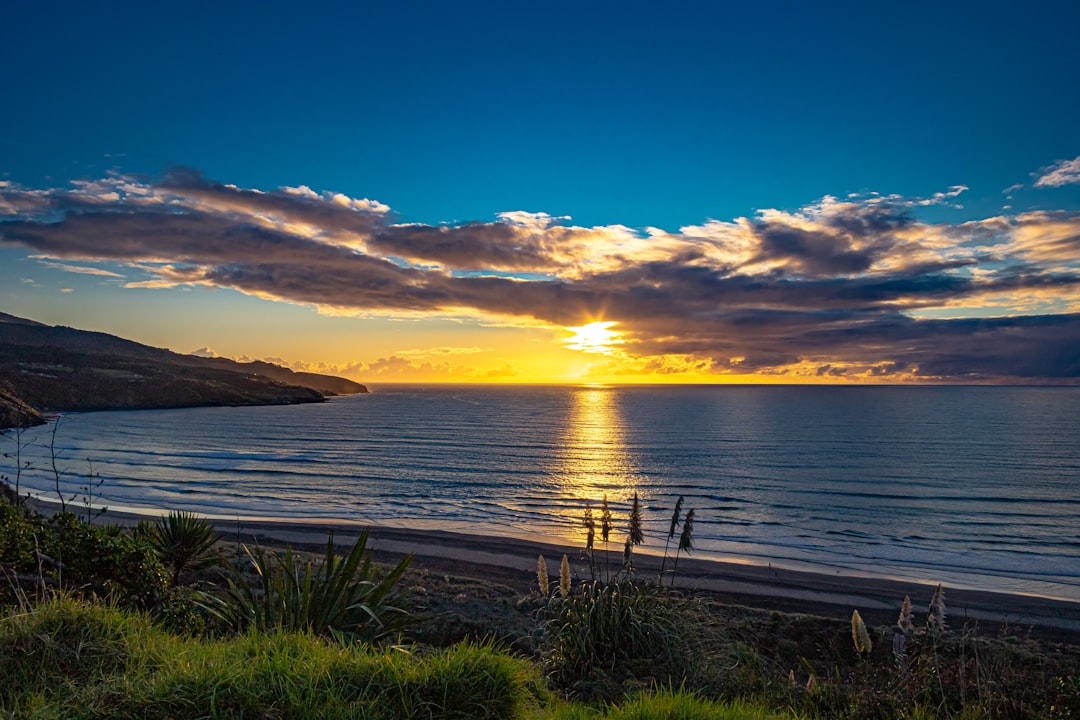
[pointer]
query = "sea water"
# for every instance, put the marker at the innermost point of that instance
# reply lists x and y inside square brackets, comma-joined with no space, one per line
[974,486]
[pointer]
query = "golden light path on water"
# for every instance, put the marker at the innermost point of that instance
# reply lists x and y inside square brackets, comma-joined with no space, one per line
[593,458]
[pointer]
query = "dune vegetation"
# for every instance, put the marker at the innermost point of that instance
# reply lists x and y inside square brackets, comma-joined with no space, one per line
[165,619]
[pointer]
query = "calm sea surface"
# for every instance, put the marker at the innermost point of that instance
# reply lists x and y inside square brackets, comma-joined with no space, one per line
[973,486]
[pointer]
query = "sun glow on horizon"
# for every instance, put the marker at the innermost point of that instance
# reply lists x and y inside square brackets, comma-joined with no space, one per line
[594,337]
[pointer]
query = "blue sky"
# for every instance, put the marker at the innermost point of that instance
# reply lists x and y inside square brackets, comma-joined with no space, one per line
[634,115]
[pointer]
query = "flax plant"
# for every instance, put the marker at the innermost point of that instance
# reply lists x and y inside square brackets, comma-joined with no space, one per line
[343,598]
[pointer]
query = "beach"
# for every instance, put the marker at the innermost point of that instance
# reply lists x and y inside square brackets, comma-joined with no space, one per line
[512,562]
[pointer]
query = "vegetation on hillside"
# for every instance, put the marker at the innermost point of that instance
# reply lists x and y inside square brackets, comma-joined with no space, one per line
[64,369]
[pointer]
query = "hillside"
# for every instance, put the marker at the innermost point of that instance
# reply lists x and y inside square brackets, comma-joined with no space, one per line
[51,368]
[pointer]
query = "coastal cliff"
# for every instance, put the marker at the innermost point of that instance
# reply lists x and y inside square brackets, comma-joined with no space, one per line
[50,368]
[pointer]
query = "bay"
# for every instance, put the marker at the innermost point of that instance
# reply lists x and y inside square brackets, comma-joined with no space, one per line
[976,487]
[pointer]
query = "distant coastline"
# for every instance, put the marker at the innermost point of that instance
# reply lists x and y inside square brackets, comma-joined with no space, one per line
[46,369]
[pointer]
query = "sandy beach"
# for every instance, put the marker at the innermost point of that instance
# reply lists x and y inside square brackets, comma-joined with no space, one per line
[512,562]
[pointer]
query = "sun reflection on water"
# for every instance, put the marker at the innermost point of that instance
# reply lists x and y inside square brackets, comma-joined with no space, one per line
[594,458]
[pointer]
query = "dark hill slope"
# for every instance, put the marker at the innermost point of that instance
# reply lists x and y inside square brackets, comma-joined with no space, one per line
[60,368]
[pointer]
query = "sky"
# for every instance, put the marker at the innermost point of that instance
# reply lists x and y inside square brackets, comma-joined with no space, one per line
[585,192]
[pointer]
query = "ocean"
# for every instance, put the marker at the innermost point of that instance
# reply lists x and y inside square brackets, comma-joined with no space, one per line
[977,487]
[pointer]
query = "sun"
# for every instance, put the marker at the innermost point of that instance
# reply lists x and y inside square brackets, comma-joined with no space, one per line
[596,337]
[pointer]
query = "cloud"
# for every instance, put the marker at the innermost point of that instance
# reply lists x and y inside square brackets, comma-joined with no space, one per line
[1063,172]
[400,368]
[855,287]
[82,269]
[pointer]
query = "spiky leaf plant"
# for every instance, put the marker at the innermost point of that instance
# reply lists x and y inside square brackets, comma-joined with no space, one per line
[341,597]
[183,541]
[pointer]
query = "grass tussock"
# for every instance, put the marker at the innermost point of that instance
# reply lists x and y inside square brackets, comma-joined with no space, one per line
[65,659]
[667,704]
[606,637]
[60,646]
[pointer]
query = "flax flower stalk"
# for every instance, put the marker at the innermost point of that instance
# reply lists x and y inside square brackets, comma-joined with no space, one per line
[860,635]
[935,619]
[676,518]
[542,575]
[906,621]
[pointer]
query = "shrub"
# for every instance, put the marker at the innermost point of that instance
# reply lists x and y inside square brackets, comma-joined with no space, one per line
[103,561]
[614,633]
[64,553]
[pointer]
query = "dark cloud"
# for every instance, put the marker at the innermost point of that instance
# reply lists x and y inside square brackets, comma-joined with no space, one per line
[834,287]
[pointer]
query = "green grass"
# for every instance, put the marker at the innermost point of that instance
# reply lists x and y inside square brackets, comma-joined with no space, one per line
[668,704]
[65,659]
[68,659]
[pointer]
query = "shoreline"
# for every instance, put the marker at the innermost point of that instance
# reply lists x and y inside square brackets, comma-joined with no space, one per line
[512,562]
[754,585]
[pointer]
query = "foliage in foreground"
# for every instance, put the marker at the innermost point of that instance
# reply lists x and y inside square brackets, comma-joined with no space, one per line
[626,641]
[64,553]
[606,637]
[667,704]
[183,542]
[339,597]
[65,659]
